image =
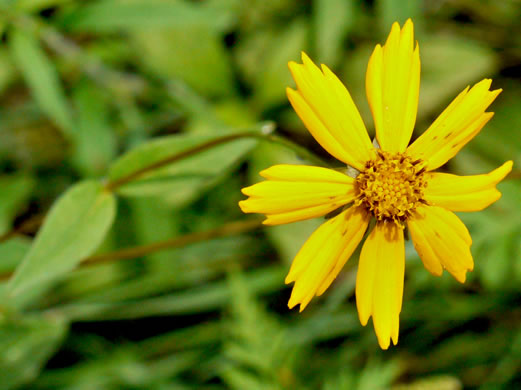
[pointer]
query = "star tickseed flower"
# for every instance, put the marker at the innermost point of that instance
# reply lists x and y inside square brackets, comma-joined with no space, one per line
[396,186]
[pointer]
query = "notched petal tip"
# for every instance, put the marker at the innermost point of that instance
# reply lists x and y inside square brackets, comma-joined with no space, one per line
[305,59]
[460,278]
[269,222]
[465,193]
[294,68]
[384,342]
[394,336]
[243,205]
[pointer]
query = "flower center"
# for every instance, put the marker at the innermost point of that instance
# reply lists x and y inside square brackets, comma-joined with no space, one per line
[391,186]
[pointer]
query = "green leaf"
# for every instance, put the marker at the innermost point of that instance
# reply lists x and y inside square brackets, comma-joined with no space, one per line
[272,73]
[7,69]
[206,297]
[73,229]
[194,54]
[37,5]
[16,189]
[42,78]
[183,180]
[111,16]
[449,64]
[94,139]
[332,20]
[26,345]
[12,252]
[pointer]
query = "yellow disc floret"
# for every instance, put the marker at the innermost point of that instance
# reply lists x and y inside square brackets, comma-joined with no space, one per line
[391,186]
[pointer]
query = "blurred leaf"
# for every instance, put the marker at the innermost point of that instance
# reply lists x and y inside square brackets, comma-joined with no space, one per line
[375,375]
[256,349]
[499,140]
[73,229]
[7,69]
[41,76]
[16,189]
[332,20]
[26,345]
[378,375]
[272,73]
[194,54]
[110,16]
[121,367]
[185,179]
[434,383]
[38,5]
[449,64]
[12,252]
[174,269]
[94,139]
[154,221]
[208,297]
[390,11]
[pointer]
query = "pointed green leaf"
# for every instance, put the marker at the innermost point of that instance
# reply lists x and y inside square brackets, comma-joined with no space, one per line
[94,139]
[42,78]
[73,229]
[182,180]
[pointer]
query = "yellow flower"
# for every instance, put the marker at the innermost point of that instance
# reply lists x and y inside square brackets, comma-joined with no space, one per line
[395,185]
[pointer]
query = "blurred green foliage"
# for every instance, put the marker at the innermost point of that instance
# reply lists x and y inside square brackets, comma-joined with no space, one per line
[172,288]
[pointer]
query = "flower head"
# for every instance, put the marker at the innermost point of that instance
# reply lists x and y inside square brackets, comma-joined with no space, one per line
[395,185]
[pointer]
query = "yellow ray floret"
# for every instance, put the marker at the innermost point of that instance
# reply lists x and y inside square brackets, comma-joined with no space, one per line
[324,254]
[327,109]
[442,241]
[379,281]
[294,193]
[458,124]
[392,87]
[395,186]
[465,193]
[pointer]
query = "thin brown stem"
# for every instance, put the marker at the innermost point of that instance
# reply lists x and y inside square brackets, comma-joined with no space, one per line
[113,185]
[229,229]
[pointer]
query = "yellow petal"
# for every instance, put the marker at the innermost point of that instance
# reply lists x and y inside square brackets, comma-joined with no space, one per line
[379,281]
[357,220]
[457,125]
[392,87]
[442,241]
[287,172]
[302,214]
[465,193]
[324,254]
[297,192]
[327,110]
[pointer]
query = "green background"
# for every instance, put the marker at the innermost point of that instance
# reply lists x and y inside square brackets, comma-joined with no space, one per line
[161,282]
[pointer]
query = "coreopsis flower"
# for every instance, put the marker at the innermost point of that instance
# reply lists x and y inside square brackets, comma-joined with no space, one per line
[395,184]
